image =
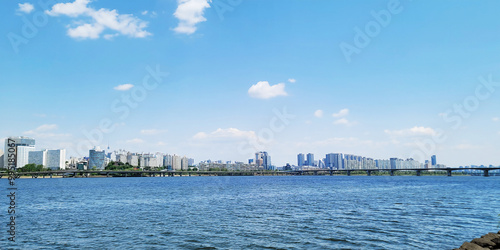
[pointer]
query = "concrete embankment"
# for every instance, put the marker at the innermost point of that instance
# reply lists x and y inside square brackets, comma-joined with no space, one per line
[488,241]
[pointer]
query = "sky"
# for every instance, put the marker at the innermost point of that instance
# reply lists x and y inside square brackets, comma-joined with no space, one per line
[223,79]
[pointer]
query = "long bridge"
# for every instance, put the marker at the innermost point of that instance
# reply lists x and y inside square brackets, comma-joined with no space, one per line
[392,171]
[171,173]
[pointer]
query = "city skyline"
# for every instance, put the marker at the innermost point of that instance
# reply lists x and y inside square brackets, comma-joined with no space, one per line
[98,158]
[211,89]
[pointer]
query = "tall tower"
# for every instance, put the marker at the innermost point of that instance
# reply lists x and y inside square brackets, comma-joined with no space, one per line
[262,158]
[433,160]
[310,159]
[300,160]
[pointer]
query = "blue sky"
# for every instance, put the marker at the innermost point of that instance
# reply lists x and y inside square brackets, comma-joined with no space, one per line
[235,66]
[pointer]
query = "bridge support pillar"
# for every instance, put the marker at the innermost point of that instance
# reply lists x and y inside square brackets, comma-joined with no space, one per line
[418,172]
[315,172]
[348,173]
[392,172]
[331,172]
[51,176]
[448,173]
[486,173]
[107,174]
[368,173]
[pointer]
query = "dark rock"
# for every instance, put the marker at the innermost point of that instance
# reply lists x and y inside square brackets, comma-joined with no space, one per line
[490,236]
[471,246]
[483,242]
[496,241]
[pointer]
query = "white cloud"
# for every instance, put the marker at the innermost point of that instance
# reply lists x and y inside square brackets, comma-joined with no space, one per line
[224,134]
[144,12]
[110,36]
[291,80]
[344,121]
[495,119]
[153,131]
[25,8]
[263,90]
[190,13]
[46,131]
[124,87]
[415,131]
[102,19]
[74,9]
[42,128]
[318,113]
[135,141]
[341,113]
[466,146]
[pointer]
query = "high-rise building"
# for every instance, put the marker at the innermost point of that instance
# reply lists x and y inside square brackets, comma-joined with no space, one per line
[433,160]
[176,162]
[23,146]
[38,157]
[190,161]
[167,161]
[300,160]
[1,159]
[263,159]
[133,159]
[53,159]
[310,159]
[56,159]
[97,158]
[184,163]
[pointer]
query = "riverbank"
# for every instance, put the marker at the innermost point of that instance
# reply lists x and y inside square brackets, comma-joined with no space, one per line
[488,241]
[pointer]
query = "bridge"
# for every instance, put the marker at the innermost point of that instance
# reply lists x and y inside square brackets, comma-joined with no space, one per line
[391,171]
[172,173]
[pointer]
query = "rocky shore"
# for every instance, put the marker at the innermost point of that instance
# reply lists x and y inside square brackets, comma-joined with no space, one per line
[488,241]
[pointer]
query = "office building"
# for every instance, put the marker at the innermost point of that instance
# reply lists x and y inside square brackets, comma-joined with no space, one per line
[1,159]
[97,159]
[53,159]
[38,157]
[263,159]
[23,146]
[300,160]
[433,160]
[56,159]
[310,159]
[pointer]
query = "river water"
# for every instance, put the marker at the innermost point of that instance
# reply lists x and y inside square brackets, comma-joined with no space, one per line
[268,212]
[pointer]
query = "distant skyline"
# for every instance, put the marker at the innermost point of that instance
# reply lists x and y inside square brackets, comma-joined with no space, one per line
[218,81]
